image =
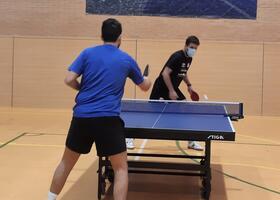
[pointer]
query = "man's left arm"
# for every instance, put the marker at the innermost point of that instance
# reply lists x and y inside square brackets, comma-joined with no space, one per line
[71,80]
[188,83]
[75,71]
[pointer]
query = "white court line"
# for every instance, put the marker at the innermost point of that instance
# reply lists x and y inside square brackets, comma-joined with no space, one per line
[145,141]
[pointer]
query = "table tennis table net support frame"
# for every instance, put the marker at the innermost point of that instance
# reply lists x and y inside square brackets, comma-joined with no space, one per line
[200,167]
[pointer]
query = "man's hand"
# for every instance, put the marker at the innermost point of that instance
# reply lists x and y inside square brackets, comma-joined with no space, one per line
[173,95]
[146,84]
[190,89]
[194,95]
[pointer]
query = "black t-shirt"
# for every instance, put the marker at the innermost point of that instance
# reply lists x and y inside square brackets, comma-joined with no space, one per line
[180,64]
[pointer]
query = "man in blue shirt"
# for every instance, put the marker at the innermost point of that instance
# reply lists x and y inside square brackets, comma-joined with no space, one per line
[104,70]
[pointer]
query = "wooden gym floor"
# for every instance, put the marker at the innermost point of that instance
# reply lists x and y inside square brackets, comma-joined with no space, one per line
[32,142]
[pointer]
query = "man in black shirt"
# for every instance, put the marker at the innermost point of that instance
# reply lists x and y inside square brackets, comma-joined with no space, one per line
[173,73]
[167,84]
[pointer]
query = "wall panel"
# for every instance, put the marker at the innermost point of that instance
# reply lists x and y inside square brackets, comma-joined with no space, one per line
[40,67]
[271,88]
[6,67]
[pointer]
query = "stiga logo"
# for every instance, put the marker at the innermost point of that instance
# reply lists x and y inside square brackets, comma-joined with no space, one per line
[216,137]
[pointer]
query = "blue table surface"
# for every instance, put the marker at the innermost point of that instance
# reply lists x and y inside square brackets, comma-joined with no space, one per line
[176,117]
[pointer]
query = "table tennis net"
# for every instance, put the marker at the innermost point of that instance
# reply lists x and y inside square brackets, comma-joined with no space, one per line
[232,109]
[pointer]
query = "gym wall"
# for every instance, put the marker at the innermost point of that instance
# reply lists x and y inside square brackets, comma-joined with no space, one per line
[237,61]
[69,18]
[34,69]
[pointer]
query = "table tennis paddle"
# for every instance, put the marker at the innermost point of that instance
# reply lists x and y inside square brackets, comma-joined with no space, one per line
[194,96]
[146,71]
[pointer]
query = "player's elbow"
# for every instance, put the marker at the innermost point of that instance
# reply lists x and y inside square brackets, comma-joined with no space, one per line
[166,72]
[145,85]
[164,75]
[68,80]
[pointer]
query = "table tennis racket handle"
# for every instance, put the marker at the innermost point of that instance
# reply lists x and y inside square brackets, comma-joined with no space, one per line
[146,71]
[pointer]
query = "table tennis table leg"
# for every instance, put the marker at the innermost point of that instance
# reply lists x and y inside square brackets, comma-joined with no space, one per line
[206,182]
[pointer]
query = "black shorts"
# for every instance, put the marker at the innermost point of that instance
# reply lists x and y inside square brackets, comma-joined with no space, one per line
[106,132]
[160,91]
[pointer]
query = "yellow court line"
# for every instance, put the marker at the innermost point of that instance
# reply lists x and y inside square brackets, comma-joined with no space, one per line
[246,165]
[258,138]
[217,163]
[33,145]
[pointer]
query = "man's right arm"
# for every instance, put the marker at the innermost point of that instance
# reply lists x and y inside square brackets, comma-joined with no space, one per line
[167,80]
[135,74]
[145,85]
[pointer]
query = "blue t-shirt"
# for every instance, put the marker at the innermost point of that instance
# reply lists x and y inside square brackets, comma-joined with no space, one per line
[104,70]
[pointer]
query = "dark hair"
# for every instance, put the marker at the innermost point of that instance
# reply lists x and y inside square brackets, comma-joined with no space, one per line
[192,39]
[111,30]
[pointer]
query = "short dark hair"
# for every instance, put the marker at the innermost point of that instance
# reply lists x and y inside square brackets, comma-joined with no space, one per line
[192,39]
[111,30]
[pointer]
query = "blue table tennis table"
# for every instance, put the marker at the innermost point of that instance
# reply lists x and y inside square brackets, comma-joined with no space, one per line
[174,120]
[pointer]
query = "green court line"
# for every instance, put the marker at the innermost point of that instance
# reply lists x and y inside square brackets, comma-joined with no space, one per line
[247,182]
[12,140]
[40,134]
[228,175]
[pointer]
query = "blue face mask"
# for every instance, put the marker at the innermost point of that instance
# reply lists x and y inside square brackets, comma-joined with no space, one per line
[191,52]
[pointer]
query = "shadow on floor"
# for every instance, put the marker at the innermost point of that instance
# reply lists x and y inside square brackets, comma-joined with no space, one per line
[149,187]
